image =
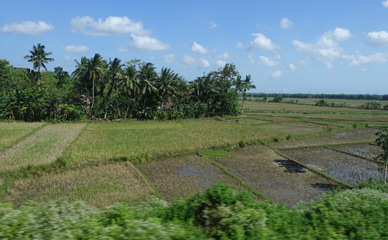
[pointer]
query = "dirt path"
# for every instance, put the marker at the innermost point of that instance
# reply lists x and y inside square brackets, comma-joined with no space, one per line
[275,177]
[42,147]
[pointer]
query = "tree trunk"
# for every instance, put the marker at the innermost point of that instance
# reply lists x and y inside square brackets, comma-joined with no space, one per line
[39,78]
[242,104]
[93,93]
[385,173]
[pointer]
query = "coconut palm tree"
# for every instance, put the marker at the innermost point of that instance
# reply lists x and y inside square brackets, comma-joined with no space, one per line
[147,77]
[166,82]
[246,86]
[39,58]
[95,72]
[129,83]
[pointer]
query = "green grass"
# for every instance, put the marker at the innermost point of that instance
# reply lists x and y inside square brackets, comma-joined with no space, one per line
[12,132]
[110,140]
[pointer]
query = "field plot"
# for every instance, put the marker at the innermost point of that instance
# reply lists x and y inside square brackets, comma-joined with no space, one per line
[11,132]
[346,168]
[99,185]
[42,147]
[349,136]
[106,140]
[364,150]
[275,177]
[296,128]
[179,177]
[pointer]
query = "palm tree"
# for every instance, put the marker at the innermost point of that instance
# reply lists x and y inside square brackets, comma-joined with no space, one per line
[147,76]
[246,85]
[39,57]
[130,83]
[95,71]
[166,83]
[114,74]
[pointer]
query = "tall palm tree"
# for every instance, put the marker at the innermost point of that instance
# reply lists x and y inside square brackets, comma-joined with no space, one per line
[147,76]
[130,83]
[95,71]
[166,82]
[247,85]
[39,57]
[114,74]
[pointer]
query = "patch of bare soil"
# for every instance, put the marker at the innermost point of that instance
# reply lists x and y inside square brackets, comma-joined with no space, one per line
[349,169]
[179,177]
[350,136]
[277,178]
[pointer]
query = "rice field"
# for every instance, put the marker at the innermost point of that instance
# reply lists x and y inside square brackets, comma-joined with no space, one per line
[98,185]
[346,168]
[364,150]
[275,177]
[42,147]
[108,140]
[296,128]
[348,136]
[11,132]
[179,177]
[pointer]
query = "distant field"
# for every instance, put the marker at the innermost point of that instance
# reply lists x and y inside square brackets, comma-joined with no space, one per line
[177,158]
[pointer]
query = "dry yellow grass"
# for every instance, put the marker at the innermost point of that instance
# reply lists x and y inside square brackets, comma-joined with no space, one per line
[99,185]
[42,147]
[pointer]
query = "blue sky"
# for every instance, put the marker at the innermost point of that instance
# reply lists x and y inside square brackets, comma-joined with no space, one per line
[300,46]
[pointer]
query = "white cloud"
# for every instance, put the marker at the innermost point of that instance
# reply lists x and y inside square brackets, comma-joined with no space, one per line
[75,49]
[204,63]
[385,3]
[277,74]
[251,59]
[188,60]
[224,56]
[147,44]
[294,66]
[169,58]
[198,48]
[110,26]
[358,59]
[285,23]
[239,45]
[262,42]
[28,28]
[213,24]
[378,38]
[268,62]
[220,63]
[327,48]
[67,59]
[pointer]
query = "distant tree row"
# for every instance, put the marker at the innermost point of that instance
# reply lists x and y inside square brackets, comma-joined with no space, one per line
[321,96]
[98,88]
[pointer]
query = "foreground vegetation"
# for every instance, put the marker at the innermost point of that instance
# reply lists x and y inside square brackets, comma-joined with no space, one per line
[219,213]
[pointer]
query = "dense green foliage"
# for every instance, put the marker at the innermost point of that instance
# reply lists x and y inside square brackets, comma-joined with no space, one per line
[111,89]
[219,213]
[382,141]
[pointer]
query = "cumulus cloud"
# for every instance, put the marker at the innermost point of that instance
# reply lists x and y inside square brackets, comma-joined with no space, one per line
[222,59]
[220,63]
[27,28]
[213,24]
[358,59]
[75,49]
[385,3]
[301,63]
[277,74]
[378,38]
[327,48]
[285,23]
[188,60]
[169,58]
[204,63]
[145,43]
[198,48]
[270,62]
[262,42]
[110,26]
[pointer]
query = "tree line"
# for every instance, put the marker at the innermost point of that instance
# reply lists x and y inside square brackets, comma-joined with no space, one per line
[110,89]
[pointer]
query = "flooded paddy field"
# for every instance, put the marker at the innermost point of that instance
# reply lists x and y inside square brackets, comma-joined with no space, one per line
[275,177]
[364,150]
[179,177]
[348,136]
[346,168]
